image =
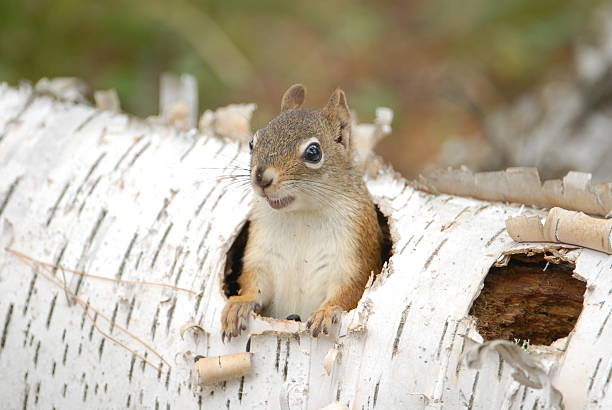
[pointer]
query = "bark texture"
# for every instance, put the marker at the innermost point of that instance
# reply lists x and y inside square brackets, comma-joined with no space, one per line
[115,196]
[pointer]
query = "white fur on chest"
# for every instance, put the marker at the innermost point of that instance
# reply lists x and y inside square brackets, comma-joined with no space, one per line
[301,260]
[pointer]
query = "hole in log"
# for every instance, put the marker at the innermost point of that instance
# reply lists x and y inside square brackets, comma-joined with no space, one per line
[529,299]
[387,243]
[233,265]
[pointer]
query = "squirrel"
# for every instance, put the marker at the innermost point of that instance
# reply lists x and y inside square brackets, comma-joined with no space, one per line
[314,236]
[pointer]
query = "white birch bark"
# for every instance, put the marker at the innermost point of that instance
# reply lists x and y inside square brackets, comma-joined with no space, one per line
[119,197]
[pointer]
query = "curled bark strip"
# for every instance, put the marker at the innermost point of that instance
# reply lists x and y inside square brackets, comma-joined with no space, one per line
[64,88]
[563,226]
[357,327]
[523,185]
[330,359]
[528,370]
[365,137]
[214,369]
[178,100]
[232,121]
[191,325]
[107,100]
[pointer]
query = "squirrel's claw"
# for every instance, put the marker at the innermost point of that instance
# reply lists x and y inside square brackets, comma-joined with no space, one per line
[235,316]
[322,320]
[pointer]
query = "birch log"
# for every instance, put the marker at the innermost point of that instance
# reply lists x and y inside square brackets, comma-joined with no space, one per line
[83,190]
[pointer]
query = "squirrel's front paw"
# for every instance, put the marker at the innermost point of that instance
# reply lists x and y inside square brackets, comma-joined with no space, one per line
[235,316]
[322,319]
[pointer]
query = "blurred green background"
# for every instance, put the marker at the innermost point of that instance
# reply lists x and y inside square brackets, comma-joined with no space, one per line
[437,63]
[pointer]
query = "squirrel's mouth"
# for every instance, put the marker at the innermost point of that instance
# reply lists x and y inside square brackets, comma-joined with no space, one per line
[280,203]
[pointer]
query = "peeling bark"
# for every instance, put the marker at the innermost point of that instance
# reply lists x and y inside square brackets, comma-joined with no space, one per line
[106,194]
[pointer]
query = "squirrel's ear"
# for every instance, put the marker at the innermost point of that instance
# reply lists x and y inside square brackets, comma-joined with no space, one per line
[293,97]
[337,112]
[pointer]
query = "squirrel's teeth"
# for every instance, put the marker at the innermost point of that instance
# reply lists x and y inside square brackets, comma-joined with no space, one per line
[280,203]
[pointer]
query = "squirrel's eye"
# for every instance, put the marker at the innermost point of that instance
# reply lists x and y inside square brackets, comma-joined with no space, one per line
[251,145]
[312,153]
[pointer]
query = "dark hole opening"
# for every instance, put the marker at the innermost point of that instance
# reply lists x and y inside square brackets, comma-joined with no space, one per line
[524,301]
[233,266]
[387,243]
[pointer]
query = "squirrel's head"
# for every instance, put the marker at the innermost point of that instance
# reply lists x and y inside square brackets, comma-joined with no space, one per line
[303,156]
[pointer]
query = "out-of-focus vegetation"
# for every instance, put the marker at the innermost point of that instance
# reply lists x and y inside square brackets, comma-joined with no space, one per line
[437,63]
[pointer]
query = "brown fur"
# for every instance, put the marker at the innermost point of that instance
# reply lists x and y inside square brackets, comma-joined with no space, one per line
[235,314]
[276,147]
[368,246]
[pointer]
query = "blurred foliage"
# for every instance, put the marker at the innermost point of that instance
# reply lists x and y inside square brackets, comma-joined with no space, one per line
[432,61]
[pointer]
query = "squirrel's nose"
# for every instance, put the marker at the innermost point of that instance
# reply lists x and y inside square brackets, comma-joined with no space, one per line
[264,177]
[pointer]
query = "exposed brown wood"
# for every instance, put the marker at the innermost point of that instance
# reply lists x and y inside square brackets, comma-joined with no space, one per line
[529,299]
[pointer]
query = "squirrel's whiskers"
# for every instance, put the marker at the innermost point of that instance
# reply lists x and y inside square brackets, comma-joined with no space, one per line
[314,236]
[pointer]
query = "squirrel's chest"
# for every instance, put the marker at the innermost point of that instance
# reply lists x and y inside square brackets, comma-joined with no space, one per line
[303,259]
[305,246]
